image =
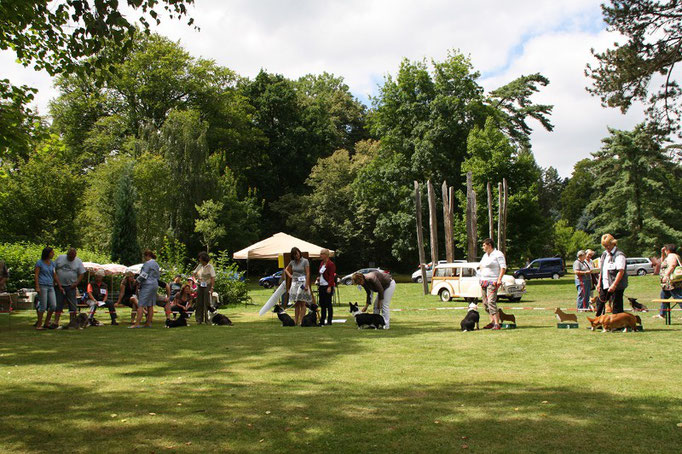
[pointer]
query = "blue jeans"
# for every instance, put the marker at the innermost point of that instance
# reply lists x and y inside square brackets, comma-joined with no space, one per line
[675,293]
[47,299]
[582,285]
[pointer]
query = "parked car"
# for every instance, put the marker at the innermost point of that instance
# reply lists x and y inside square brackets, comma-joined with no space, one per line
[640,266]
[347,279]
[553,267]
[270,281]
[460,280]
[417,275]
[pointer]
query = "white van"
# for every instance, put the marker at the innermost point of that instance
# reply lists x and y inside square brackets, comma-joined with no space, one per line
[460,280]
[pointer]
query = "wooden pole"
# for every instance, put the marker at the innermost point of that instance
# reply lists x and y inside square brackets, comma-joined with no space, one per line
[499,214]
[451,214]
[471,219]
[491,229]
[433,223]
[420,236]
[447,223]
[503,244]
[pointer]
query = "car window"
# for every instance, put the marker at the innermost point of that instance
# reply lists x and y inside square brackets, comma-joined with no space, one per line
[534,265]
[444,272]
[467,272]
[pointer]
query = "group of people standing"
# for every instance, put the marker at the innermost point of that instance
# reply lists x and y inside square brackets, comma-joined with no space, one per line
[57,281]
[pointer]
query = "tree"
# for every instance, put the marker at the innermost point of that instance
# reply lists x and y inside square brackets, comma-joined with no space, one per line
[551,185]
[568,241]
[577,192]
[654,46]
[67,37]
[638,187]
[206,225]
[124,246]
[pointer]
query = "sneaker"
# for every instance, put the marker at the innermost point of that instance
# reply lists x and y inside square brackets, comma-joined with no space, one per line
[489,325]
[496,327]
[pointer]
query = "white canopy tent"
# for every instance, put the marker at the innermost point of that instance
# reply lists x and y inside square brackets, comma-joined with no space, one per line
[279,243]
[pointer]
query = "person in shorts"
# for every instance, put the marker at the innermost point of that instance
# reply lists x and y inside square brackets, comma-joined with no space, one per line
[492,268]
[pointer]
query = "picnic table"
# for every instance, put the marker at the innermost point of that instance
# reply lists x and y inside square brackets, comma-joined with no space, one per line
[673,303]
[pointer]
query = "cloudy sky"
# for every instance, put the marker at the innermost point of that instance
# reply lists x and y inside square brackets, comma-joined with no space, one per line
[363,40]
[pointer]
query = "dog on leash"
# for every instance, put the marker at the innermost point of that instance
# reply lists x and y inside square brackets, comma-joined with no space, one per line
[564,317]
[636,306]
[219,319]
[470,319]
[283,316]
[365,320]
[311,318]
[80,322]
[506,317]
[177,323]
[612,322]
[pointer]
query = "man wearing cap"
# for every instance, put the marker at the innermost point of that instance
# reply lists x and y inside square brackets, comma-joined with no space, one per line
[613,280]
[582,281]
[70,271]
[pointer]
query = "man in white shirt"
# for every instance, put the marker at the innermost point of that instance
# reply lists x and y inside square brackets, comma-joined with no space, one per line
[613,279]
[492,268]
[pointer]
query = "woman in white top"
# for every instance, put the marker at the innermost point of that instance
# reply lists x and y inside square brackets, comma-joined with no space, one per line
[492,268]
[204,273]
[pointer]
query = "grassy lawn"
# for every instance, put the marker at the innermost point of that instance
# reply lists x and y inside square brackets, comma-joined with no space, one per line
[422,386]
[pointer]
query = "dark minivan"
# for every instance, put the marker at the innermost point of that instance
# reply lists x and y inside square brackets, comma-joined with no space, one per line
[548,267]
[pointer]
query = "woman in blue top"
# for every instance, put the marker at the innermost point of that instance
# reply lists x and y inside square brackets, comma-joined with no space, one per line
[46,276]
[149,283]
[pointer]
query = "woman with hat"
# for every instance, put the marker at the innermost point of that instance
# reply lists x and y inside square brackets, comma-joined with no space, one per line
[583,281]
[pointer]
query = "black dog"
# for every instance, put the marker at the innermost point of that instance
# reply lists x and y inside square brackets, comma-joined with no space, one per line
[178,322]
[283,316]
[365,320]
[220,319]
[470,319]
[637,307]
[310,319]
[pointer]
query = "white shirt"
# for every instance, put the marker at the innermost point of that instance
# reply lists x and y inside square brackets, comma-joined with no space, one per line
[491,264]
[610,264]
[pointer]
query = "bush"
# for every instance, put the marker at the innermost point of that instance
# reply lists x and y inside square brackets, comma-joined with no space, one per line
[228,283]
[21,260]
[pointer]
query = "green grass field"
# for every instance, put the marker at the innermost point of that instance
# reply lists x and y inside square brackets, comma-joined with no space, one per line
[422,386]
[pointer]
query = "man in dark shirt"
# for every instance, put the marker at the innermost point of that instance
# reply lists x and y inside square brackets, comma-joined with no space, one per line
[383,284]
[98,295]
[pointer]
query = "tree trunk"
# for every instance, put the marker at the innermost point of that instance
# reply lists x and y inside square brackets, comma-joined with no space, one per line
[433,223]
[420,236]
[472,240]
[491,228]
[499,214]
[447,224]
[503,244]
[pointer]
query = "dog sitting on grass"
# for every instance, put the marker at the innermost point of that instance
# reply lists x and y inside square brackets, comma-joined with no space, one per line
[219,319]
[365,320]
[470,320]
[283,316]
[311,318]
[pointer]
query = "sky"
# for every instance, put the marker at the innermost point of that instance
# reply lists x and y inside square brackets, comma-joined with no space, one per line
[364,40]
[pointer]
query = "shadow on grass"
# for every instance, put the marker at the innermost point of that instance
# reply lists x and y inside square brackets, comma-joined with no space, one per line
[326,416]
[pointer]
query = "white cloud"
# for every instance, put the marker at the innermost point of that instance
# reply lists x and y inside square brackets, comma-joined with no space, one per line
[363,40]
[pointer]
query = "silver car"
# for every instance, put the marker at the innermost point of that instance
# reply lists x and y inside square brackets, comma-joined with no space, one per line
[638,266]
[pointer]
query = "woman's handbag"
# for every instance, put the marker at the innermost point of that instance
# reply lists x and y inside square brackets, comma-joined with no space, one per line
[676,275]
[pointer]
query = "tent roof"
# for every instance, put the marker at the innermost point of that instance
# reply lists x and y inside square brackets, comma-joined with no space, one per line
[279,243]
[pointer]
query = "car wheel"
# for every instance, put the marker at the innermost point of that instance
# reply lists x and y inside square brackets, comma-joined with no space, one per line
[522,276]
[267,284]
[348,281]
[641,272]
[419,280]
[555,276]
[445,295]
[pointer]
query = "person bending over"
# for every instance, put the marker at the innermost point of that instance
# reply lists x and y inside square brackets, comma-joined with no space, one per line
[127,295]
[383,285]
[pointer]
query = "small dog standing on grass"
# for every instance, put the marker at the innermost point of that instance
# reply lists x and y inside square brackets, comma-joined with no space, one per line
[470,319]
[365,320]
[283,316]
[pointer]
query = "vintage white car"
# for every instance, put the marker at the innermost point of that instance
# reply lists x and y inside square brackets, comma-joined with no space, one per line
[460,280]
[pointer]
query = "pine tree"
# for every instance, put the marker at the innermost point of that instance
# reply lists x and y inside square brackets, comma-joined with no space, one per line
[124,246]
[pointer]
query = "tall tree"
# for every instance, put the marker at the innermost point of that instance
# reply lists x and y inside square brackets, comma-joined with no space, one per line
[624,74]
[125,248]
[577,193]
[638,187]
[207,225]
[551,185]
[58,35]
